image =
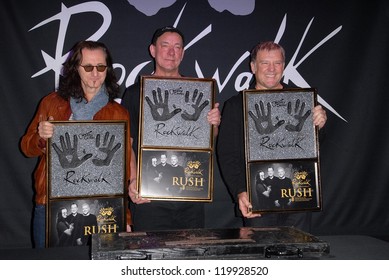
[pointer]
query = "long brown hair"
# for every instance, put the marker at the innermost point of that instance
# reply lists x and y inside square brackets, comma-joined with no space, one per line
[70,82]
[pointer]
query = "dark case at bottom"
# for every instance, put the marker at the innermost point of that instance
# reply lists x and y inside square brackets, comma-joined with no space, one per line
[236,243]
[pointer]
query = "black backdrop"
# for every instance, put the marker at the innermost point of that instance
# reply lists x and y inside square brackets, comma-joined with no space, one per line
[339,47]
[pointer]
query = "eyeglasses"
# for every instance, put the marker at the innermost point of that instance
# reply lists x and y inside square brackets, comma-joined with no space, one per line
[89,68]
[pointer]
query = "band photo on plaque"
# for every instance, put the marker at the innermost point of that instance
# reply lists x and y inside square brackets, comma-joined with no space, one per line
[284,186]
[282,150]
[86,163]
[176,175]
[72,222]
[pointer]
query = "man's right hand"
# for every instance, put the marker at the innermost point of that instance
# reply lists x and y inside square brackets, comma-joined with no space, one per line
[245,206]
[134,195]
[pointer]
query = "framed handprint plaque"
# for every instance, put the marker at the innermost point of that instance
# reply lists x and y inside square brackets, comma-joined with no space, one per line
[86,163]
[175,134]
[174,112]
[281,147]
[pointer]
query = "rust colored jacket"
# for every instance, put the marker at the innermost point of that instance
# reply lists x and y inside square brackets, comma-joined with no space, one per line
[55,106]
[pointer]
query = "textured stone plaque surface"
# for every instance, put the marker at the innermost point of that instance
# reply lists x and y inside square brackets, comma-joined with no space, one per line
[175,112]
[86,158]
[280,125]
